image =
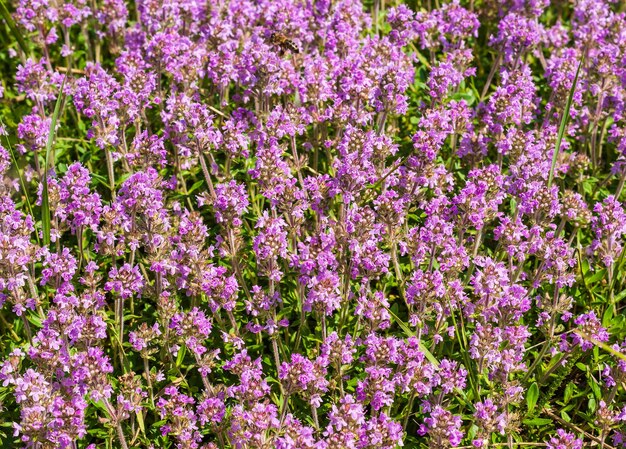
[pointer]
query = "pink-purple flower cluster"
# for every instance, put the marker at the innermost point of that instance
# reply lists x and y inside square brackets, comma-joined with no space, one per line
[325,224]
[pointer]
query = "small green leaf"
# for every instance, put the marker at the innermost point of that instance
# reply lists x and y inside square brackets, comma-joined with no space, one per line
[599,275]
[472,432]
[537,422]
[587,187]
[100,406]
[591,404]
[196,186]
[596,389]
[181,356]
[569,392]
[34,319]
[142,425]
[532,396]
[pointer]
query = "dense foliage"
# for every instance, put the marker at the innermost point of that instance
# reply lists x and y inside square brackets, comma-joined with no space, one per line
[312,224]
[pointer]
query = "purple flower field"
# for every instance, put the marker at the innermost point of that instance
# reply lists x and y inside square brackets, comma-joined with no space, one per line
[312,224]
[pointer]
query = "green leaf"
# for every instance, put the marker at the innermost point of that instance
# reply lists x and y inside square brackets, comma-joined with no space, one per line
[591,404]
[140,421]
[196,186]
[181,356]
[532,396]
[473,431]
[596,389]
[537,422]
[35,320]
[599,275]
[100,179]
[569,392]
[564,120]
[100,406]
[587,187]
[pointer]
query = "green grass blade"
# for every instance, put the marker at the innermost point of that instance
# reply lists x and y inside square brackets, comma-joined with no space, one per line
[563,125]
[601,345]
[4,12]
[45,204]
[22,182]
[431,358]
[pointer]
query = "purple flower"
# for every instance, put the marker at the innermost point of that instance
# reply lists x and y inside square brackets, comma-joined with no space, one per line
[33,130]
[302,375]
[230,204]
[442,427]
[564,440]
[270,245]
[77,205]
[125,281]
[589,326]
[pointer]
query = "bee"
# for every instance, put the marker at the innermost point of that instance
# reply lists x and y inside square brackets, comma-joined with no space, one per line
[282,41]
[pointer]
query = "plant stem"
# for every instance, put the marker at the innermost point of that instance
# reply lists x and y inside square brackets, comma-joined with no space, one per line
[146,367]
[276,360]
[120,435]
[315,419]
[409,408]
[111,173]
[207,175]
